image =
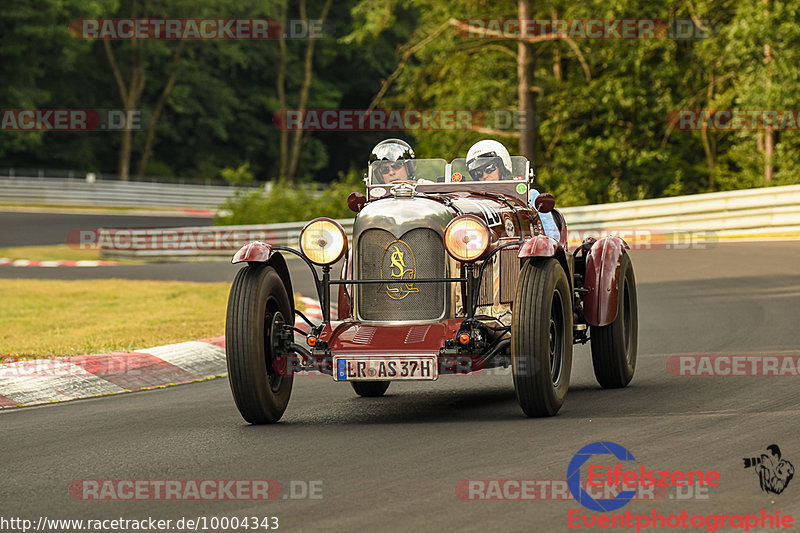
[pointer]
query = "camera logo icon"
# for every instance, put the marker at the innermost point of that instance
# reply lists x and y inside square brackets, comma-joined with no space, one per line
[774,472]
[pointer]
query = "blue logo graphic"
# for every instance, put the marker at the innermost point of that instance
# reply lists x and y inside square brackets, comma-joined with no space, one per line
[574,476]
[341,369]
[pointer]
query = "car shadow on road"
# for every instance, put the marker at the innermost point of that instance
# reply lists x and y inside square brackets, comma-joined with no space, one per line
[497,403]
[488,403]
[415,406]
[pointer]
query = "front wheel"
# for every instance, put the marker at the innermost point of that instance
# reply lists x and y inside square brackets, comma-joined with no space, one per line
[370,389]
[258,307]
[541,331]
[614,346]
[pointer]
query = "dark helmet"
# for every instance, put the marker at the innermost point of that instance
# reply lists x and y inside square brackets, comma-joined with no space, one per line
[394,150]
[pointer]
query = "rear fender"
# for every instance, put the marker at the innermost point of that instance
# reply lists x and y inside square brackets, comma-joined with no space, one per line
[258,252]
[542,245]
[602,280]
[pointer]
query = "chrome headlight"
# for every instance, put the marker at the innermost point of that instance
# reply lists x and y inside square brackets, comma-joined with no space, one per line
[323,241]
[466,238]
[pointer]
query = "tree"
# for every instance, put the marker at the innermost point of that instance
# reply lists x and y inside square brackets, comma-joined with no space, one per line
[37,53]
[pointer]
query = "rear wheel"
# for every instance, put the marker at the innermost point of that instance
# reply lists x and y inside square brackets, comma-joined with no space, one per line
[541,331]
[370,389]
[258,307]
[614,346]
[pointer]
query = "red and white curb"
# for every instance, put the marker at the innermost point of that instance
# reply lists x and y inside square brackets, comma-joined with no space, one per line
[198,212]
[40,381]
[32,263]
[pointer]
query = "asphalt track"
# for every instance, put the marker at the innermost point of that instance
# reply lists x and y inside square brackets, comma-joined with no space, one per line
[393,463]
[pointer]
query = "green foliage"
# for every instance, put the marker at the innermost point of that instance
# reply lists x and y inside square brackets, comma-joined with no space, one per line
[285,203]
[238,177]
[39,60]
[601,105]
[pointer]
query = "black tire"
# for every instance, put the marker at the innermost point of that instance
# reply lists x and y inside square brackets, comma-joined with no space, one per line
[370,389]
[257,306]
[541,331]
[614,346]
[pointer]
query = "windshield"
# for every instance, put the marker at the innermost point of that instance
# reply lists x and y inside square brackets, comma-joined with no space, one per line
[439,171]
[491,171]
[420,170]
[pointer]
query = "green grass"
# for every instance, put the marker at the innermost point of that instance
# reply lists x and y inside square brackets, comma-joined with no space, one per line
[43,318]
[55,252]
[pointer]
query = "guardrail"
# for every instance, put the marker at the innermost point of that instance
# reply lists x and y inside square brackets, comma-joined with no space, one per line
[746,212]
[69,191]
[38,173]
[190,243]
[741,212]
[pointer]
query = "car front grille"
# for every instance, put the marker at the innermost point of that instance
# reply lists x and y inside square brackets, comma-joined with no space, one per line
[419,253]
[509,273]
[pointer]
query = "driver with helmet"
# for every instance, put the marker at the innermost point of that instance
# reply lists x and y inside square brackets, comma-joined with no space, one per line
[396,161]
[488,160]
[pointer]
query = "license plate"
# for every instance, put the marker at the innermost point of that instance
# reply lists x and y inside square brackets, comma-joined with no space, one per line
[384,368]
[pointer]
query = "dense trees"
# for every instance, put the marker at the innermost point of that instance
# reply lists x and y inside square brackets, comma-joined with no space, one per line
[596,111]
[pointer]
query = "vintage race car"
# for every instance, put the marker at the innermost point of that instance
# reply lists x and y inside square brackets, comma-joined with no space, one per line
[442,276]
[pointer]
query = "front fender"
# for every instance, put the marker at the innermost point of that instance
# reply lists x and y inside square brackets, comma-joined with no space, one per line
[542,245]
[253,252]
[262,252]
[539,245]
[602,280]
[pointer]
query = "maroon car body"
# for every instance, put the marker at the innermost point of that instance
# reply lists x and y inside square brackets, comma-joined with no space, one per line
[410,297]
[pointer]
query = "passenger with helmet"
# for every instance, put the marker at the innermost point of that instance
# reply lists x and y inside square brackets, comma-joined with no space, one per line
[396,159]
[488,160]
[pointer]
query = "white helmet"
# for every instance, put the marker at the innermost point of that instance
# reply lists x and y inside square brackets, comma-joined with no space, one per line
[489,149]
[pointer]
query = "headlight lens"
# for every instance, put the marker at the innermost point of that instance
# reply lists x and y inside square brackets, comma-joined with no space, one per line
[323,241]
[466,238]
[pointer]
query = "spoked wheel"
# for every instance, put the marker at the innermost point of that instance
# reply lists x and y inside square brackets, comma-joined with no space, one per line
[541,331]
[614,347]
[258,307]
[370,389]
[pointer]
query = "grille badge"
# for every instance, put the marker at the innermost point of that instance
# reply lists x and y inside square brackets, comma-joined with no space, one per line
[398,267]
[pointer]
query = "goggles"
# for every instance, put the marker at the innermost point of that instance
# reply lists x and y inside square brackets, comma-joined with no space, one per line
[385,168]
[477,173]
